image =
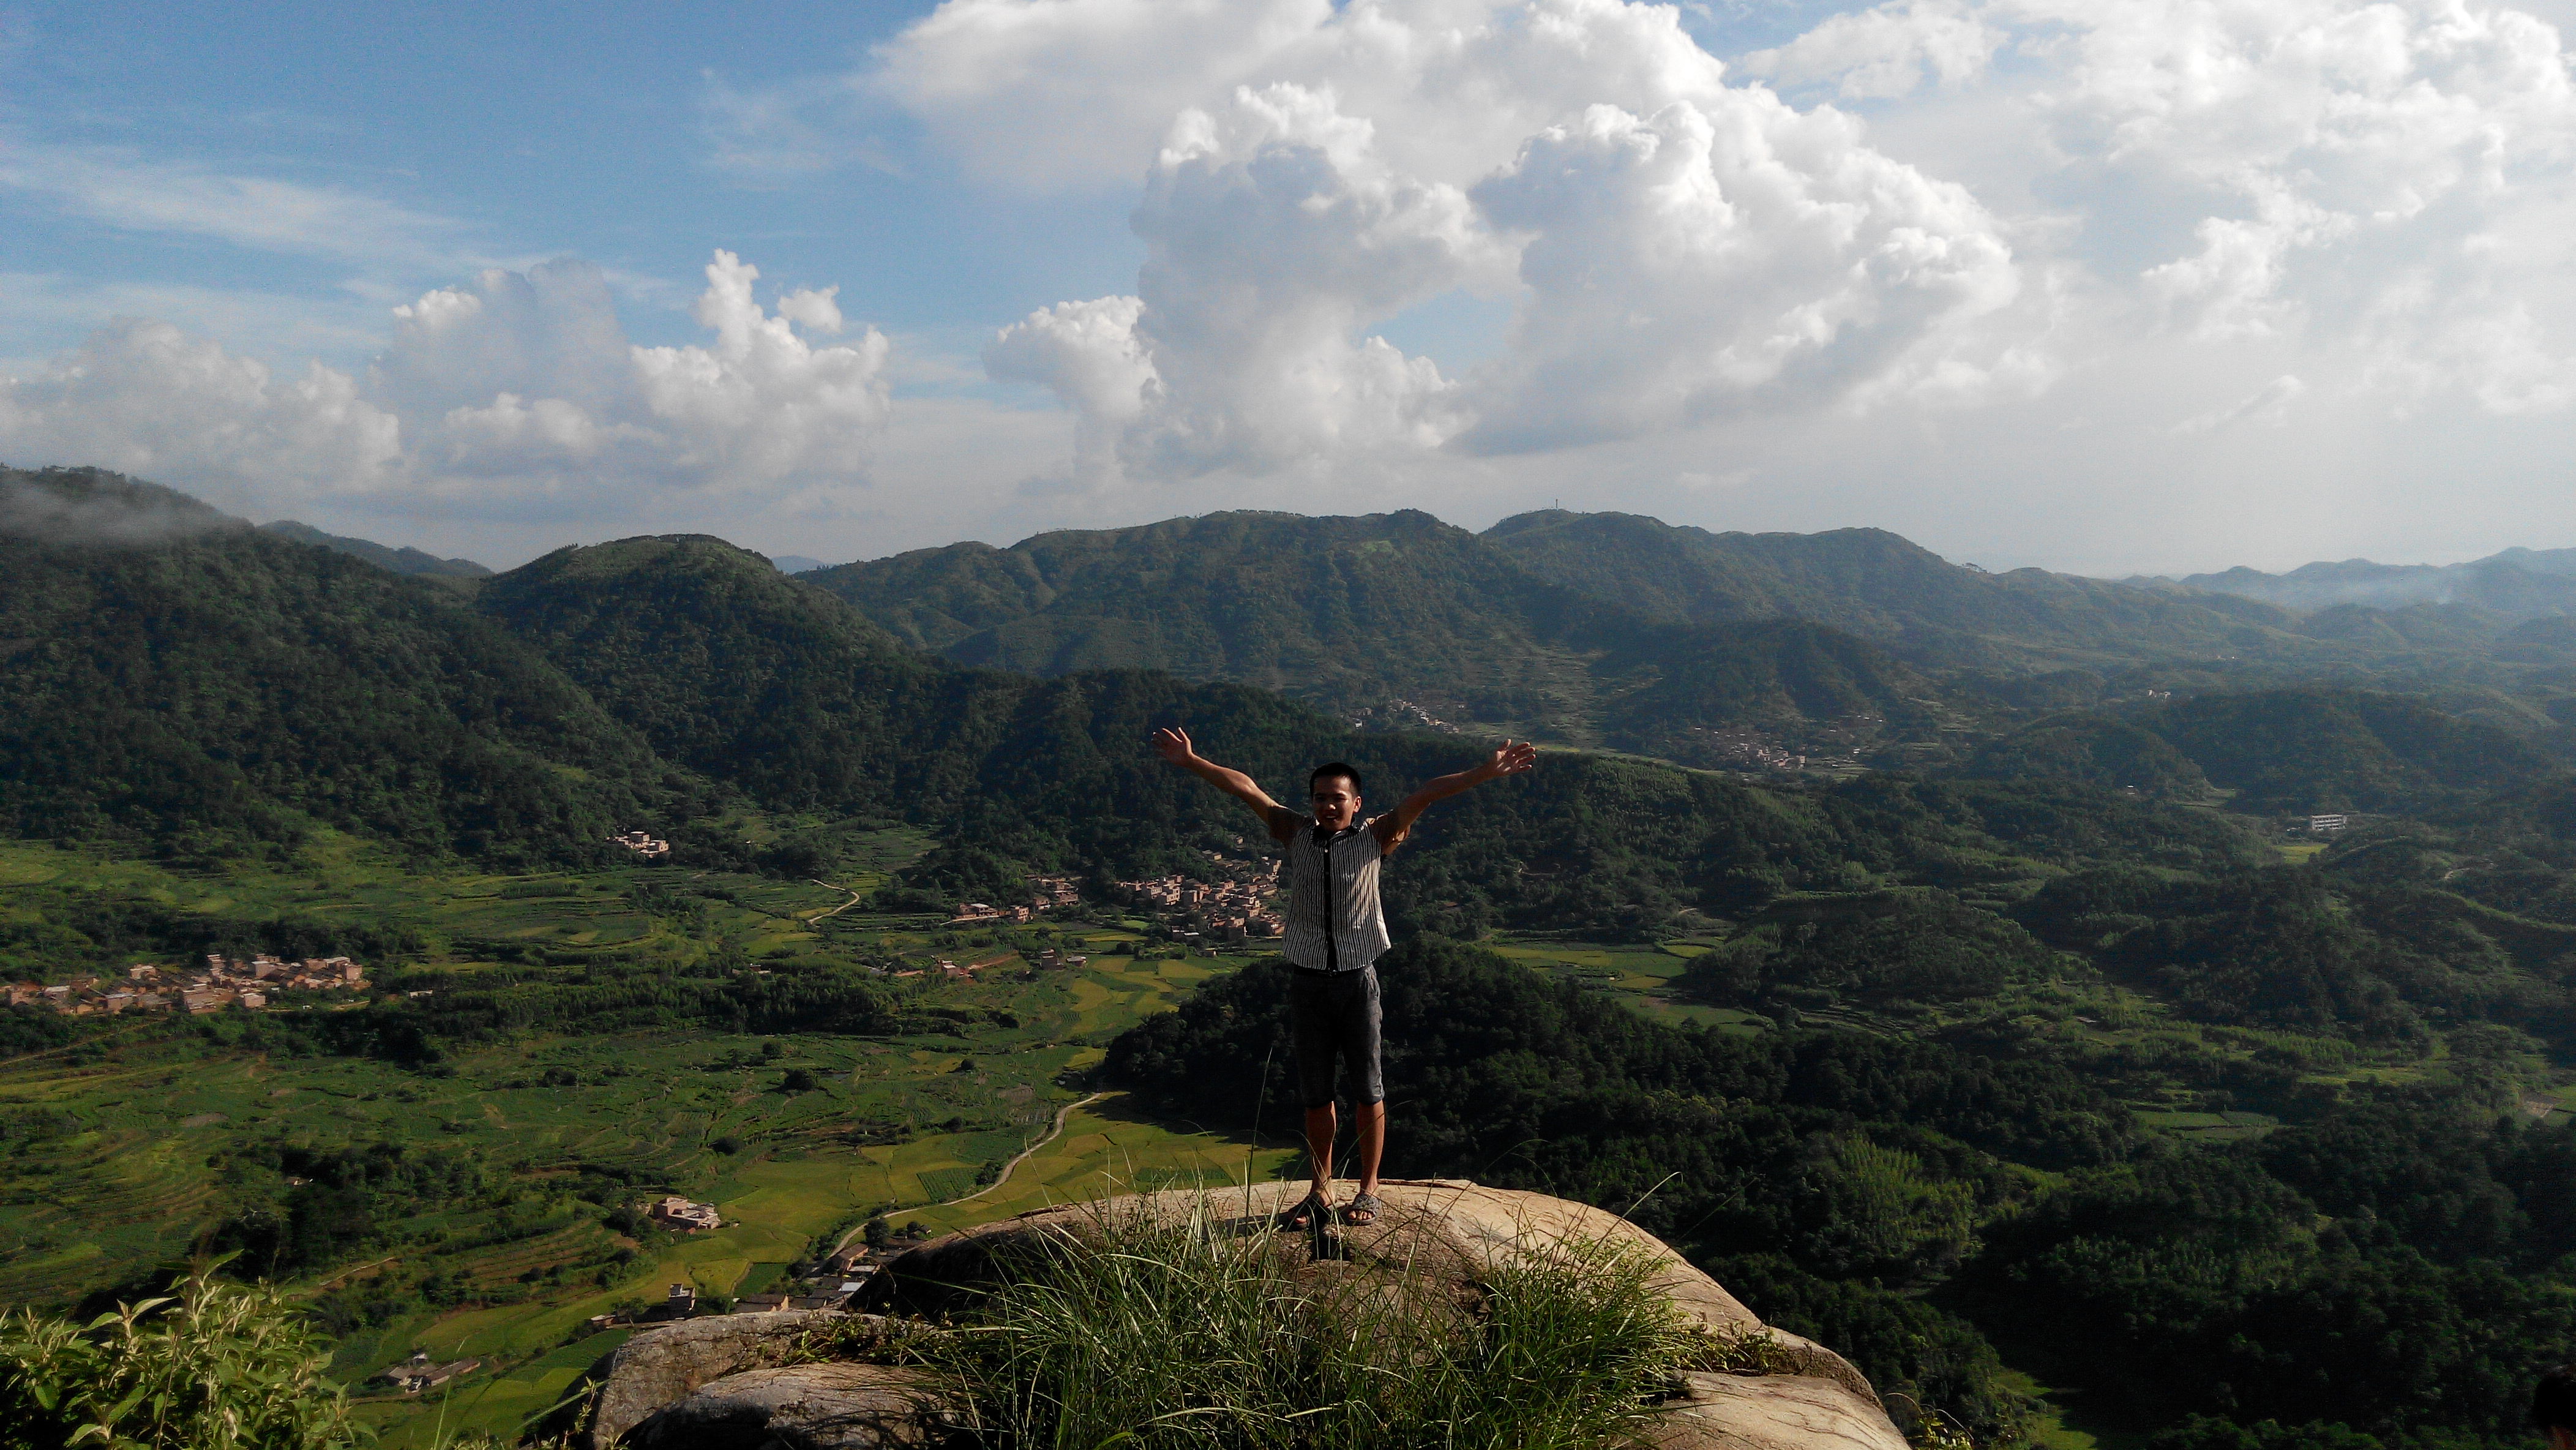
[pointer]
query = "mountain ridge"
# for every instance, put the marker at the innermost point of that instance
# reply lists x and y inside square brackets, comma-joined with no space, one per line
[1357,614]
[2517,583]
[398,560]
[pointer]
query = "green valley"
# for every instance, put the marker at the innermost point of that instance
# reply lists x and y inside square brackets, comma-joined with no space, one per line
[2008,980]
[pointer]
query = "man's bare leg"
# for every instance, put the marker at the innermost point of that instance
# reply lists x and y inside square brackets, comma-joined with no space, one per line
[1372,1132]
[1321,1125]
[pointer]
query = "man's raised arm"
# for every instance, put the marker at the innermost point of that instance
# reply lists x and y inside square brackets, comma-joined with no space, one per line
[1173,744]
[1514,757]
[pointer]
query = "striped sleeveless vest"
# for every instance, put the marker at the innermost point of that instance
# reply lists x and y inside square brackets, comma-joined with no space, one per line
[1334,922]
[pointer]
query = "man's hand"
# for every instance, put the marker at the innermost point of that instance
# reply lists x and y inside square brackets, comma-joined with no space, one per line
[1515,757]
[1173,744]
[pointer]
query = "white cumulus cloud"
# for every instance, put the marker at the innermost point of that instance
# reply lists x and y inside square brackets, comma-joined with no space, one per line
[1698,261]
[142,397]
[1885,52]
[513,392]
[1673,246]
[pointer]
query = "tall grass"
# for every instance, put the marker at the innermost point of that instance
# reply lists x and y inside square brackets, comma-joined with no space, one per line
[1148,1336]
[215,1366]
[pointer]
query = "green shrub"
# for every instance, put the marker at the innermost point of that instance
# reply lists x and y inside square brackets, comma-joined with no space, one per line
[214,1366]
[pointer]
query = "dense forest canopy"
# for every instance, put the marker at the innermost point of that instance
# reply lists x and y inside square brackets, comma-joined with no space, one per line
[2390,1263]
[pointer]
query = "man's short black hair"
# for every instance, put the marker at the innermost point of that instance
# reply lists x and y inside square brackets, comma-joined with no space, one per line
[2553,1405]
[1331,768]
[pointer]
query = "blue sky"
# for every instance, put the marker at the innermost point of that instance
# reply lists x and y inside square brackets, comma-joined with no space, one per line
[513,134]
[2155,286]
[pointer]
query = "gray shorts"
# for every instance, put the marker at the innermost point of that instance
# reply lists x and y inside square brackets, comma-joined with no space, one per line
[1336,1015]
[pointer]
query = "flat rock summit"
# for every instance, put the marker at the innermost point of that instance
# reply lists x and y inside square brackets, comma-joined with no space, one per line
[735,1381]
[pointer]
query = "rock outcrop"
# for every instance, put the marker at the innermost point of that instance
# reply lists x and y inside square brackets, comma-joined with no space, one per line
[660,1367]
[807,1407]
[702,1383]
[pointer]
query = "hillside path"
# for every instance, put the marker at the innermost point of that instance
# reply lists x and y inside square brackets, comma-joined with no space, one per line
[1062,1114]
[837,910]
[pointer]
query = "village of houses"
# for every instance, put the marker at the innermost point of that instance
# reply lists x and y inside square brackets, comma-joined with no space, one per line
[1240,906]
[223,982]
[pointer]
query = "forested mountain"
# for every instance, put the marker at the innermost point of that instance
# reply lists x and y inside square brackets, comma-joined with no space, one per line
[2096,749]
[1616,630]
[727,666]
[178,678]
[2515,584]
[1353,614]
[2275,751]
[400,561]
[1879,586]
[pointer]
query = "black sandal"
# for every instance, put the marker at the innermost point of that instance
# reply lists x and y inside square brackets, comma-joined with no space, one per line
[1362,1211]
[1310,1211]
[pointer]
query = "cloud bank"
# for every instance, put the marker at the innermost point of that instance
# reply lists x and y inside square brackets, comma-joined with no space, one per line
[517,393]
[1928,209]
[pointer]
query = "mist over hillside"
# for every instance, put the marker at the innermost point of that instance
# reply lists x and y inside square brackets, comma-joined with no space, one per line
[2514,584]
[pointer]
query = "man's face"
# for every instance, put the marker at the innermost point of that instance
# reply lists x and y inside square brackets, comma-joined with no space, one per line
[1336,802]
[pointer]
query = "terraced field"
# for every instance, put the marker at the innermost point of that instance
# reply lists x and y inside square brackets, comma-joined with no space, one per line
[1110,1148]
[135,1145]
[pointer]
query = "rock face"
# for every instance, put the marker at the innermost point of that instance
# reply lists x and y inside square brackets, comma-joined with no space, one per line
[704,1384]
[1759,1412]
[662,1366]
[806,1407]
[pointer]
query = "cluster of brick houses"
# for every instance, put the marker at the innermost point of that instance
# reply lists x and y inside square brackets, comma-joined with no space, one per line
[1243,903]
[1748,750]
[420,1372]
[1401,715]
[1046,893]
[675,1212]
[643,844]
[829,1284]
[223,982]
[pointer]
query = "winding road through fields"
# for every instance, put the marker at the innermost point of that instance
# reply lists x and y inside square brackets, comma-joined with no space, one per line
[1062,1115]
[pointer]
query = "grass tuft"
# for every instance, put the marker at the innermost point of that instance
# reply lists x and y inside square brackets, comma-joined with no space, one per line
[1191,1336]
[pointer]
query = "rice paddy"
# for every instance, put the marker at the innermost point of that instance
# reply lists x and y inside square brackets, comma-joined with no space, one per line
[127,1149]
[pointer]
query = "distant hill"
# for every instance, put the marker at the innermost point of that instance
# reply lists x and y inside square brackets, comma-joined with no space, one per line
[1883,588]
[176,677]
[2516,584]
[1538,623]
[1390,618]
[795,563]
[399,561]
[2341,750]
[727,666]
[2095,749]
[2278,751]
[93,508]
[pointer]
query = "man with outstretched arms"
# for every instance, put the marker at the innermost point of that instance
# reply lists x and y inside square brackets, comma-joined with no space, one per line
[1335,935]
